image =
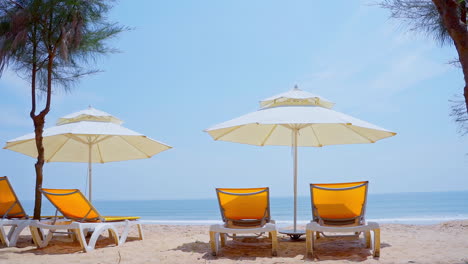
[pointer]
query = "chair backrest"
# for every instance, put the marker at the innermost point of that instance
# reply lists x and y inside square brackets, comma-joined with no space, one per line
[10,207]
[339,203]
[239,204]
[72,204]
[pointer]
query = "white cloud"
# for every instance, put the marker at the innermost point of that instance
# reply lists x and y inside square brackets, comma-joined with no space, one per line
[405,71]
[377,66]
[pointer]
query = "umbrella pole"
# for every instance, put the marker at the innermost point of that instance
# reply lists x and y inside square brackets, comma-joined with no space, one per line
[295,177]
[89,172]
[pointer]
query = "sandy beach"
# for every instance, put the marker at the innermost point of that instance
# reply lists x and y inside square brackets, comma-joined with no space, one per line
[440,243]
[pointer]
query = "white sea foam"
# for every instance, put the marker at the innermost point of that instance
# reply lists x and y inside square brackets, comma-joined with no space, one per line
[181,222]
[284,223]
[419,220]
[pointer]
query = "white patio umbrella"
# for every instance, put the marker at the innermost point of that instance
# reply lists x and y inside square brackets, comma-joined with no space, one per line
[297,118]
[90,136]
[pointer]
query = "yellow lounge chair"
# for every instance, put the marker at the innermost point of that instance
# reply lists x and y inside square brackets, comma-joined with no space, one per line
[12,214]
[82,215]
[340,208]
[244,211]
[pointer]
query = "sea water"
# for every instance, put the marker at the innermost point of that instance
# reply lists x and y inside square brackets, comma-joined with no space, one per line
[406,208]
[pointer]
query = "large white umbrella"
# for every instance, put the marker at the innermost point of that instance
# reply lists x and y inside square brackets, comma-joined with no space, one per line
[297,118]
[90,136]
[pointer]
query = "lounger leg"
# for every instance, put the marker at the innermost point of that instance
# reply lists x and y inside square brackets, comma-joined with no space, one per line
[79,234]
[377,242]
[214,243]
[223,239]
[367,237]
[40,238]
[35,235]
[113,234]
[14,233]
[125,232]
[274,243]
[110,228]
[3,236]
[71,235]
[12,230]
[140,231]
[310,237]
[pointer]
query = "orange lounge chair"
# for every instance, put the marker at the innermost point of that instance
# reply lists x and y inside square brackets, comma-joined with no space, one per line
[244,211]
[82,215]
[340,208]
[12,214]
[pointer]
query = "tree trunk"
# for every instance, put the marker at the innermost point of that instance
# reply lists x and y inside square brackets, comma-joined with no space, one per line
[466,96]
[449,11]
[39,122]
[463,57]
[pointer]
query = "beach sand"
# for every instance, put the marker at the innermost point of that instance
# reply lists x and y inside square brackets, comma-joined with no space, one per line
[440,243]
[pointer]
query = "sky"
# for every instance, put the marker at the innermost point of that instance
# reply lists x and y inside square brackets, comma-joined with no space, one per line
[188,65]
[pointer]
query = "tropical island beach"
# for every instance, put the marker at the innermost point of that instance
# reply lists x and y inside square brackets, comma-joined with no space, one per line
[439,243]
[262,125]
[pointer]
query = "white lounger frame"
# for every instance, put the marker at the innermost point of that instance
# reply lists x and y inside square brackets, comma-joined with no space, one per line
[313,229]
[10,238]
[79,230]
[219,231]
[17,222]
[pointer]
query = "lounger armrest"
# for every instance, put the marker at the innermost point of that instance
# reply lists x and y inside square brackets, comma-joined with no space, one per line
[222,229]
[368,226]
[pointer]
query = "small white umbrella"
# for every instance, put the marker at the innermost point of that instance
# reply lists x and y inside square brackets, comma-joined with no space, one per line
[90,136]
[297,118]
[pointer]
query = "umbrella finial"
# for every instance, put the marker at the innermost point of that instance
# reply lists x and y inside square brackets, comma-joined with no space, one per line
[90,114]
[296,96]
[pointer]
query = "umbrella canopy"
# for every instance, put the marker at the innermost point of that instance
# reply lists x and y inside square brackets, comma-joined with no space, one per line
[91,136]
[297,118]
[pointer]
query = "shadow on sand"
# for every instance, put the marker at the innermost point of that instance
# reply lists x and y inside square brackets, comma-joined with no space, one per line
[62,245]
[238,249]
[349,249]
[250,248]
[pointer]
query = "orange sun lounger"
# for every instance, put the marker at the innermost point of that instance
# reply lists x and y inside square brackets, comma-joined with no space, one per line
[243,211]
[12,214]
[82,216]
[340,208]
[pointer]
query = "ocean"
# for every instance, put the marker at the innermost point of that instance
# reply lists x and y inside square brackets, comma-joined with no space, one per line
[406,208]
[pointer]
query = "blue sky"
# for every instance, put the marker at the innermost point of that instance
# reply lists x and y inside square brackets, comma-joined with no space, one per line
[188,65]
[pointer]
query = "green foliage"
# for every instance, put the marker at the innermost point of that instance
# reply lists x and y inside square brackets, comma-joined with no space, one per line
[420,16]
[423,16]
[51,43]
[71,33]
[458,113]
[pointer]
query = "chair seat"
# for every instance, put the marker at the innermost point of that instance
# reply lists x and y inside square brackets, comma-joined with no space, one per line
[359,228]
[219,228]
[120,218]
[219,231]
